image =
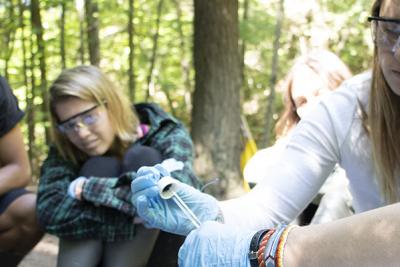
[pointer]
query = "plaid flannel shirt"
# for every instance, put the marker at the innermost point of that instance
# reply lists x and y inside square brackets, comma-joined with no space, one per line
[106,212]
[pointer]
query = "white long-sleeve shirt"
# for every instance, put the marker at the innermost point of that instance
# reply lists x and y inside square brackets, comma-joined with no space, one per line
[331,134]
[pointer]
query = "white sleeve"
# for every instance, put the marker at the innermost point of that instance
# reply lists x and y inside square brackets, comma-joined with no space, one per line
[290,184]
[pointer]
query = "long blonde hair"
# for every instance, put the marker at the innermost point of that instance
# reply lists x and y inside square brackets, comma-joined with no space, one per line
[332,70]
[383,124]
[91,84]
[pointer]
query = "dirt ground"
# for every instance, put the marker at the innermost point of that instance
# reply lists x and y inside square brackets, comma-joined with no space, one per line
[44,254]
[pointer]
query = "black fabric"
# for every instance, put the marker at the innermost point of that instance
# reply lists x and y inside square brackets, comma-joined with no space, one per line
[165,251]
[101,166]
[10,114]
[254,246]
[9,259]
[9,197]
[138,156]
[308,213]
[135,157]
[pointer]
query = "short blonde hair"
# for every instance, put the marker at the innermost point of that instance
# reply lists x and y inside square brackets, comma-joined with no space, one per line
[89,83]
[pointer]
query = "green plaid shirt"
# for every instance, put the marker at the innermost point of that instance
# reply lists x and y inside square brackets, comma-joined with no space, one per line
[106,212]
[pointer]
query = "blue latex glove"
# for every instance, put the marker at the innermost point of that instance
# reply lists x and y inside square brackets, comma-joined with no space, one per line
[216,244]
[165,214]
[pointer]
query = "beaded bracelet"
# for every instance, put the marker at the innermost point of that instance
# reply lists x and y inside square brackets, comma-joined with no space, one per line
[281,246]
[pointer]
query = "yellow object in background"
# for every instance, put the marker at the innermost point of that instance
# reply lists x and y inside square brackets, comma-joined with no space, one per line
[250,148]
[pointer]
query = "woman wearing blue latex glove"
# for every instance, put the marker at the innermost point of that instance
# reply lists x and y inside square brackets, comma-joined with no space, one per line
[149,204]
[356,127]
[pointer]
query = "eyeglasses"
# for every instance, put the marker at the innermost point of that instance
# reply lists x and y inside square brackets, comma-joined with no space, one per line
[386,32]
[83,119]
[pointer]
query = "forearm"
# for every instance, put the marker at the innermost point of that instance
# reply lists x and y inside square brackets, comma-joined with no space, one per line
[273,200]
[15,171]
[367,239]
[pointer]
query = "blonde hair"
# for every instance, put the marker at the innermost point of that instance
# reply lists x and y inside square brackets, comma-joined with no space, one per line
[91,84]
[383,124]
[324,64]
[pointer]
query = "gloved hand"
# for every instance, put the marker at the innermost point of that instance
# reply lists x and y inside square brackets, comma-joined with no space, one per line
[216,244]
[165,213]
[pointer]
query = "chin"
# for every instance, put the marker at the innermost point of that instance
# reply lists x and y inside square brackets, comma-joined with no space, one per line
[95,152]
[395,85]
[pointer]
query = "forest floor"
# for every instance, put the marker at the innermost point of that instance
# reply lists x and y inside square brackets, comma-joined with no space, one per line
[44,254]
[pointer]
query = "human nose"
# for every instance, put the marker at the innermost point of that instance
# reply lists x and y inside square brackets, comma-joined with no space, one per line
[81,129]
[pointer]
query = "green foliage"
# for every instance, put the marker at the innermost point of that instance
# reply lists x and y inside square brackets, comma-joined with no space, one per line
[344,23]
[341,25]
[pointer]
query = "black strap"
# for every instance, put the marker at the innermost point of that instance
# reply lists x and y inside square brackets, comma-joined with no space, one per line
[255,242]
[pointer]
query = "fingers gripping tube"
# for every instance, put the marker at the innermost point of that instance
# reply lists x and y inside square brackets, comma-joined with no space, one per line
[168,187]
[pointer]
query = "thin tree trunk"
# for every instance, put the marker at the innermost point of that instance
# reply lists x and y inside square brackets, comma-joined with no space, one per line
[92,21]
[274,73]
[62,34]
[154,51]
[216,101]
[185,61]
[169,100]
[81,15]
[243,43]
[28,93]
[131,34]
[37,28]
[9,39]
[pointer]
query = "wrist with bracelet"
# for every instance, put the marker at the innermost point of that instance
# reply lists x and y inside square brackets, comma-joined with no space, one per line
[266,247]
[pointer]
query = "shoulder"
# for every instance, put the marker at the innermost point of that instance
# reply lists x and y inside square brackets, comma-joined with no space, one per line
[10,113]
[154,115]
[358,87]
[346,100]
[338,111]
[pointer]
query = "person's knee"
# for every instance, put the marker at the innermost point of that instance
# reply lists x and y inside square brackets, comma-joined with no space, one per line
[137,156]
[23,211]
[22,228]
[101,166]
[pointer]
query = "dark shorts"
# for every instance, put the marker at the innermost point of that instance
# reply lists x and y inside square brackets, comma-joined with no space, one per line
[9,197]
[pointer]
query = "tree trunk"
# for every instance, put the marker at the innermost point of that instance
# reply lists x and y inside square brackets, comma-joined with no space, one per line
[81,15]
[92,21]
[9,38]
[62,34]
[37,28]
[28,93]
[216,102]
[243,45]
[154,51]
[274,73]
[131,33]
[185,61]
